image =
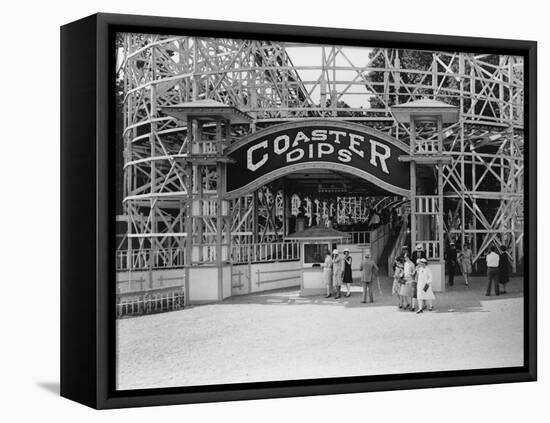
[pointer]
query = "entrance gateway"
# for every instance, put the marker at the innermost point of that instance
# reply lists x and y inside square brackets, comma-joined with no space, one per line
[351,148]
[222,254]
[282,149]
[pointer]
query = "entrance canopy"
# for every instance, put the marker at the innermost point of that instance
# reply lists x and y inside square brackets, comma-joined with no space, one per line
[318,146]
[320,233]
[329,182]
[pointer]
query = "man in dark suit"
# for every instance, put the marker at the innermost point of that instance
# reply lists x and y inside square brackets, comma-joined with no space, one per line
[451,260]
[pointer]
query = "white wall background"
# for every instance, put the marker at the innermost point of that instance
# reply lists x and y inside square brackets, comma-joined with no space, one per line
[29,98]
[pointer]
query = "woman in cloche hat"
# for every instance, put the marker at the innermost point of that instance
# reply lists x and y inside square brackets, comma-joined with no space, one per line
[348,277]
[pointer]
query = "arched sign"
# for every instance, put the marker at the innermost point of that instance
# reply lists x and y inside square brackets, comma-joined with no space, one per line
[317,144]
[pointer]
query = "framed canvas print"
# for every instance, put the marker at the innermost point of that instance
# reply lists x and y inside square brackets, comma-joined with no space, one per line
[255,211]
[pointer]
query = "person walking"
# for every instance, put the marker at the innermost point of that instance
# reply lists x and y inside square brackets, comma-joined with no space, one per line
[337,273]
[504,269]
[348,275]
[369,270]
[327,273]
[451,259]
[425,294]
[407,288]
[493,260]
[465,259]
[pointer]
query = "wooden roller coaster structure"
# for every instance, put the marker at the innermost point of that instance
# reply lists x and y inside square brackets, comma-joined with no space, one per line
[482,183]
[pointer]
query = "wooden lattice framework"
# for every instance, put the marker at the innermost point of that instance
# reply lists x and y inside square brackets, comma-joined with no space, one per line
[482,184]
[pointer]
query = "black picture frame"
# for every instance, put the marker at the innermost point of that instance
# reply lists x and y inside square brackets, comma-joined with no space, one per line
[87,226]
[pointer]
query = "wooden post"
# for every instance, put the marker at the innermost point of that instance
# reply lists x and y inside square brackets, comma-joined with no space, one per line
[153,188]
[413,182]
[226,135]
[462,151]
[200,217]
[196,75]
[253,100]
[219,214]
[286,211]
[129,180]
[255,217]
[188,213]
[439,216]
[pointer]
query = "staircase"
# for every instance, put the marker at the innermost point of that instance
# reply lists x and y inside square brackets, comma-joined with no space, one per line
[392,249]
[383,260]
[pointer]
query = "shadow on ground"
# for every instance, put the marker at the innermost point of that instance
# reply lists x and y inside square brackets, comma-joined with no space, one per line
[51,387]
[456,299]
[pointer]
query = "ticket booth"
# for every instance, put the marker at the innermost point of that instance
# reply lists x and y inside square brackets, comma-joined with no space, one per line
[314,244]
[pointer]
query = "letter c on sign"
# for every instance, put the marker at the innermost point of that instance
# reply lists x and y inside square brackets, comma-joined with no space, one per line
[249,159]
[277,144]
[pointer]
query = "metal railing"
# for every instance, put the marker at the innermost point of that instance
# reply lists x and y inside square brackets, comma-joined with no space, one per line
[150,301]
[257,253]
[427,146]
[431,248]
[427,204]
[147,258]
[359,237]
[205,147]
[245,253]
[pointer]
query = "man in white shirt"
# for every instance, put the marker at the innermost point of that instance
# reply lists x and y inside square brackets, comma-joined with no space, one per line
[492,270]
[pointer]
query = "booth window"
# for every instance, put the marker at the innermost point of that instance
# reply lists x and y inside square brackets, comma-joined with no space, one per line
[315,253]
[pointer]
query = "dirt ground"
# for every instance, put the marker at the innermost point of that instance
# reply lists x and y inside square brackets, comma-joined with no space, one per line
[279,335]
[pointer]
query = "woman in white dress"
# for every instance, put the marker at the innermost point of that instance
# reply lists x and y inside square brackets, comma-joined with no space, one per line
[425,293]
[327,273]
[337,273]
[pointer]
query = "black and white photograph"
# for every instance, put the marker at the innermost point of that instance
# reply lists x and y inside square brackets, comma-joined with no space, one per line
[275,212]
[297,211]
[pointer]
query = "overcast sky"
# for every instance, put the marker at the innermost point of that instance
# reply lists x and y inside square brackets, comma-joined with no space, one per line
[311,55]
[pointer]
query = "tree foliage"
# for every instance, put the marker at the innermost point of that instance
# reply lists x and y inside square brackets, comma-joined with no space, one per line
[415,75]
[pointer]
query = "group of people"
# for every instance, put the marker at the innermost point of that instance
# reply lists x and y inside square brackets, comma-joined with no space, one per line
[498,270]
[412,281]
[337,271]
[459,259]
[498,266]
[412,278]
